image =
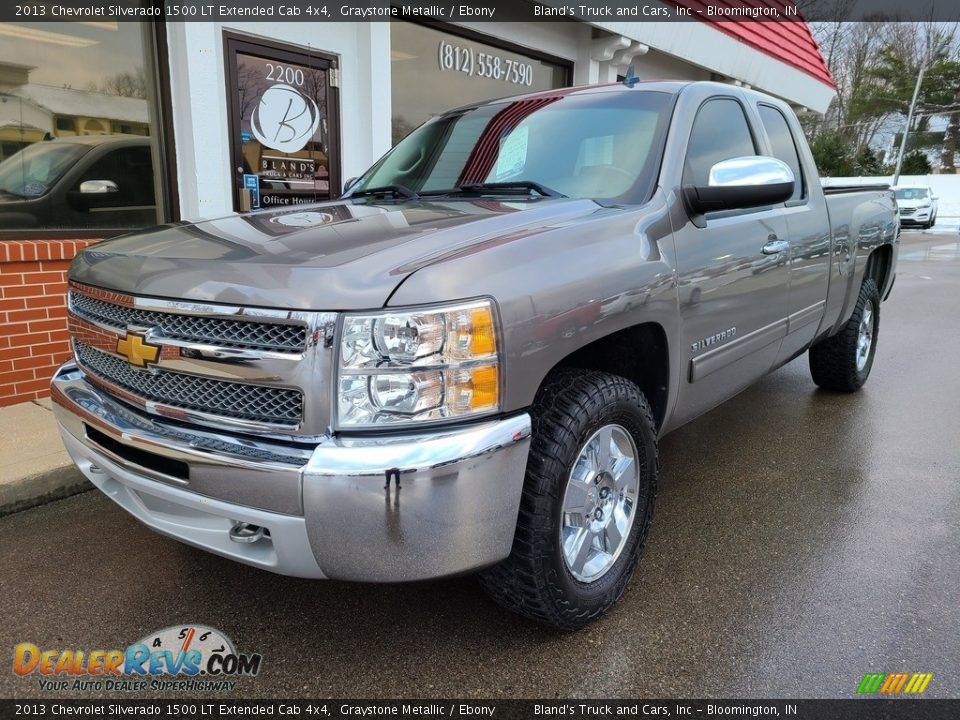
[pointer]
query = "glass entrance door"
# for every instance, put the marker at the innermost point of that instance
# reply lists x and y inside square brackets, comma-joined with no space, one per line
[284,134]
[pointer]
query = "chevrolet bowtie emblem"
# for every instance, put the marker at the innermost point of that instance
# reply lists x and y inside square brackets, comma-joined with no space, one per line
[137,350]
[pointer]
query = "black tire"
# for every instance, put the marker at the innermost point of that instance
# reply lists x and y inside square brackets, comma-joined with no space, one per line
[534,580]
[833,361]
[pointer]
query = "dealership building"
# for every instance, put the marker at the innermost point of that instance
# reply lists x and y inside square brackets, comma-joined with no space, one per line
[229,117]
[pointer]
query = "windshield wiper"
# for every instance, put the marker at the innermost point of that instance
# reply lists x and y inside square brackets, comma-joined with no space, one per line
[4,191]
[509,187]
[395,190]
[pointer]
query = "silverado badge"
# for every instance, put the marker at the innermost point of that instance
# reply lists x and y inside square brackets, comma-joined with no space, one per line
[713,339]
[137,350]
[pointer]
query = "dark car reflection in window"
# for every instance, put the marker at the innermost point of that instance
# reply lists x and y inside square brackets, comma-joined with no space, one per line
[89,182]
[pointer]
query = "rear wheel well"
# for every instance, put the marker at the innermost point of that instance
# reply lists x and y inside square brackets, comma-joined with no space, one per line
[638,353]
[878,267]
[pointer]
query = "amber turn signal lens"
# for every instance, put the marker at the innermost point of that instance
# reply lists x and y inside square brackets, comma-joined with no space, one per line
[485,387]
[483,340]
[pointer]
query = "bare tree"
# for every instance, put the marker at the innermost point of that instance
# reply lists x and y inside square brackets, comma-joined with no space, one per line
[129,83]
[849,50]
[875,63]
[250,86]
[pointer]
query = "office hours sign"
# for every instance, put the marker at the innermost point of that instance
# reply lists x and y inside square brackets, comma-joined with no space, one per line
[283,124]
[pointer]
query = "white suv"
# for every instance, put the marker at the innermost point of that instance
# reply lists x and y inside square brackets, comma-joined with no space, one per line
[918,205]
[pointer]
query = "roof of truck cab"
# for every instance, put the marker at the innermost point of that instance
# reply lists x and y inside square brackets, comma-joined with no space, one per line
[672,87]
[666,86]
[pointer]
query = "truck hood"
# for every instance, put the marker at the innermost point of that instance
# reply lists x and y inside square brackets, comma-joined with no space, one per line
[333,256]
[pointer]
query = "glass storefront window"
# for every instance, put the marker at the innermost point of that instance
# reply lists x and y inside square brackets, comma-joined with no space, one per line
[76,128]
[433,71]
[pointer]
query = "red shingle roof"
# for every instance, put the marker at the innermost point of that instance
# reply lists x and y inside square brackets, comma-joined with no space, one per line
[787,41]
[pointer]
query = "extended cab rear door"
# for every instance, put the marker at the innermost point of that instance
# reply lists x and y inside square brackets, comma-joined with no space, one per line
[734,270]
[808,226]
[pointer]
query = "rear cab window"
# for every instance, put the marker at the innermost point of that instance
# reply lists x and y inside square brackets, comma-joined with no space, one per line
[784,147]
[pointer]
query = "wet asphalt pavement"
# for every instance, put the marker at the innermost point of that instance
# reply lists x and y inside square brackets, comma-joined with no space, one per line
[801,539]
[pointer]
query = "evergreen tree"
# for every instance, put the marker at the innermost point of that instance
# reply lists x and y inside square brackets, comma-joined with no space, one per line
[915,163]
[832,154]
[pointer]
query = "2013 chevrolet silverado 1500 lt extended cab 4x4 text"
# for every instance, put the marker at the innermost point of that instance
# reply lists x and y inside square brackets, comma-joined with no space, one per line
[465,363]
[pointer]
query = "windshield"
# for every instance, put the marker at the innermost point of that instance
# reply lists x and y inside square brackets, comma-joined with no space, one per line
[34,170]
[910,193]
[598,145]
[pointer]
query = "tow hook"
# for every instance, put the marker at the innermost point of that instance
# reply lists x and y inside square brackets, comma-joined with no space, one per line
[246,533]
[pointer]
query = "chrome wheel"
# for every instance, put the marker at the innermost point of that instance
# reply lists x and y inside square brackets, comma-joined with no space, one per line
[865,336]
[599,503]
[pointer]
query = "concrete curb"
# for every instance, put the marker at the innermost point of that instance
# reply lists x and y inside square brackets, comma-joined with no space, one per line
[28,492]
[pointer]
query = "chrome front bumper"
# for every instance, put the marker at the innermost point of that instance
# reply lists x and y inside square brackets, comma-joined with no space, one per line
[324,508]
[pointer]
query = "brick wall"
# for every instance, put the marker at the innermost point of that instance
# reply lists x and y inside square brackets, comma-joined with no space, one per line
[33,314]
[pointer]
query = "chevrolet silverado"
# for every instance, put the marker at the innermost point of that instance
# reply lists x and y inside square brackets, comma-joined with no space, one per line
[465,363]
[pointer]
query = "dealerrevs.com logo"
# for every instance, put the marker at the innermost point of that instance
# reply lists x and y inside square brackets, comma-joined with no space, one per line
[190,658]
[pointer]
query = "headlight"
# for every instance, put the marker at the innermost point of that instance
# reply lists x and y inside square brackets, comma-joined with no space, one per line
[401,367]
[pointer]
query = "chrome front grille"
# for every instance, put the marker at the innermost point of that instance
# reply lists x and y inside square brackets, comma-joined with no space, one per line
[256,403]
[249,369]
[246,334]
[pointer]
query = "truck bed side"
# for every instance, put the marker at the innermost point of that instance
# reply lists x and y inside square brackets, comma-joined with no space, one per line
[862,222]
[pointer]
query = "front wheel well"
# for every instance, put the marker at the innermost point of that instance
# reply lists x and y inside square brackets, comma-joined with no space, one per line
[639,353]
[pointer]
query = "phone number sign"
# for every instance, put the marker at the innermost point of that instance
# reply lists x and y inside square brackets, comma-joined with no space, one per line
[473,63]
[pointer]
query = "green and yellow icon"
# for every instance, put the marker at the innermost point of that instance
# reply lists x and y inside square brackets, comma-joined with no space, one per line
[894,683]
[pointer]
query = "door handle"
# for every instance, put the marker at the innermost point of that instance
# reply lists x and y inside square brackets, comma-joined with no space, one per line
[775,246]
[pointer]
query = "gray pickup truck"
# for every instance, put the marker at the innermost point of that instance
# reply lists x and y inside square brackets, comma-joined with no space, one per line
[465,363]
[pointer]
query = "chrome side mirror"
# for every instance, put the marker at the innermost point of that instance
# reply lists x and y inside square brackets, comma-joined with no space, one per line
[751,170]
[98,187]
[740,183]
